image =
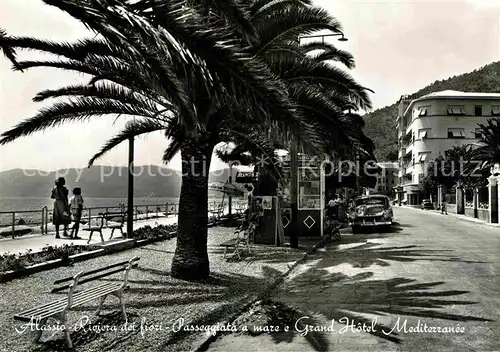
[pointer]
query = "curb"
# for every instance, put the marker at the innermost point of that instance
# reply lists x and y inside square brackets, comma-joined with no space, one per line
[206,343]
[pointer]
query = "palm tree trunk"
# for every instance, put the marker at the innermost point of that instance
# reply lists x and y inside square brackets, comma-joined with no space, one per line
[191,257]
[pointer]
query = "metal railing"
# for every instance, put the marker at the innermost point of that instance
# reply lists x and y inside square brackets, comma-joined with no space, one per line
[38,220]
[15,220]
[483,205]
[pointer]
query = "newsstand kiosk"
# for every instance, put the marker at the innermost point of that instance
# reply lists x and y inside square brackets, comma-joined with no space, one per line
[310,196]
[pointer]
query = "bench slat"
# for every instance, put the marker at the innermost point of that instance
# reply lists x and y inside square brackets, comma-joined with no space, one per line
[59,301]
[57,289]
[65,299]
[87,273]
[79,298]
[82,300]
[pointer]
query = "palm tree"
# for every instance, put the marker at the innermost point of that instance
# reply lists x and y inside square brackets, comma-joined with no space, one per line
[324,93]
[201,87]
[489,148]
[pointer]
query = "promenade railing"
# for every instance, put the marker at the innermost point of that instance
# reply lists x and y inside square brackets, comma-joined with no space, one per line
[38,220]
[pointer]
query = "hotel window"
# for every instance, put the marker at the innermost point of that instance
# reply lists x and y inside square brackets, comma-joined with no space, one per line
[478,110]
[422,111]
[495,110]
[422,134]
[456,110]
[456,133]
[422,157]
[477,133]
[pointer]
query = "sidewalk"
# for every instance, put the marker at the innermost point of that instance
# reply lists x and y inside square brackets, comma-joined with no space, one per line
[38,241]
[458,216]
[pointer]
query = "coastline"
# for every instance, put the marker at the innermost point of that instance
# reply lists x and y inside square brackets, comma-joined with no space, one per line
[29,221]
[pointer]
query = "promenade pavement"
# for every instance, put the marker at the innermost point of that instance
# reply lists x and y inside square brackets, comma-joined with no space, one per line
[433,280]
[37,242]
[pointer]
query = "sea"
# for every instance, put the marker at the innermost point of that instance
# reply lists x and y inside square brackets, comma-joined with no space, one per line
[34,206]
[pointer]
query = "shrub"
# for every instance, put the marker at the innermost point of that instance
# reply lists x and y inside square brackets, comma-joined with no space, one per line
[15,262]
[160,231]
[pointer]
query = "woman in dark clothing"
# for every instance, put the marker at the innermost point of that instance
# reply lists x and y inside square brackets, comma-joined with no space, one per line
[61,213]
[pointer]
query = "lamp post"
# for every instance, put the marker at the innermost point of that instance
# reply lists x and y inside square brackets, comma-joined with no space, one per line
[358,166]
[294,172]
[323,36]
[130,192]
[230,199]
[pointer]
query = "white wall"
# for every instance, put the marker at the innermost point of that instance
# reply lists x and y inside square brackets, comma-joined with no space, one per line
[437,122]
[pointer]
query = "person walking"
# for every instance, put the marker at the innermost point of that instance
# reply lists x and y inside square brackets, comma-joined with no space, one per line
[76,203]
[443,205]
[61,212]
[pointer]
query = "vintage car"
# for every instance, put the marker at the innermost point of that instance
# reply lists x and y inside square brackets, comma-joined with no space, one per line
[426,204]
[370,211]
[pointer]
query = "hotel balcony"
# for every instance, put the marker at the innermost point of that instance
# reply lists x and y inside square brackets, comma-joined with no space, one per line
[407,168]
[407,154]
[406,139]
[401,153]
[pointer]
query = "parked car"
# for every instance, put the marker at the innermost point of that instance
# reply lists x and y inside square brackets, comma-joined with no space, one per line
[426,204]
[371,211]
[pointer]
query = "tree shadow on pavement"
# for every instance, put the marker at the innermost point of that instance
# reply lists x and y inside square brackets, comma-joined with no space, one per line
[86,330]
[350,297]
[369,253]
[356,300]
[222,295]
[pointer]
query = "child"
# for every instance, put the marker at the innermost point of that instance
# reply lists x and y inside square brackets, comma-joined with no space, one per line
[76,209]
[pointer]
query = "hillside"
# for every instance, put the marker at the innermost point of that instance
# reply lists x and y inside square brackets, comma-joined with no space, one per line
[380,124]
[99,181]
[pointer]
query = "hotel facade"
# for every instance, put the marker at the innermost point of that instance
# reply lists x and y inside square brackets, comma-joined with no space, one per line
[432,124]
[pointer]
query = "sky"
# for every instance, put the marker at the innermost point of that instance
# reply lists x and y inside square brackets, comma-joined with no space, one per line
[399,47]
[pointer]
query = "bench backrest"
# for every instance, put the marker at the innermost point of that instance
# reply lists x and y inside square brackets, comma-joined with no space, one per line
[96,274]
[97,221]
[116,217]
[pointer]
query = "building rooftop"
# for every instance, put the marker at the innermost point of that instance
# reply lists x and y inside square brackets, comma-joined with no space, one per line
[453,94]
[458,94]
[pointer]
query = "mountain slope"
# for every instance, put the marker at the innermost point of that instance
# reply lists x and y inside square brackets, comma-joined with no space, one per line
[380,124]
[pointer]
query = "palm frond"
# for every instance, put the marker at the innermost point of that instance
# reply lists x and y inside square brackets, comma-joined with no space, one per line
[132,129]
[79,109]
[173,148]
[332,78]
[102,90]
[7,49]
[330,52]
[299,20]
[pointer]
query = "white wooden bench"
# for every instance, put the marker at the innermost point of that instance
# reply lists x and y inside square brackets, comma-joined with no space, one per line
[98,223]
[94,225]
[113,225]
[58,309]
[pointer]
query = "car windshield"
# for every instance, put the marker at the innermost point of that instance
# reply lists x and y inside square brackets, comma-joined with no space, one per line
[372,201]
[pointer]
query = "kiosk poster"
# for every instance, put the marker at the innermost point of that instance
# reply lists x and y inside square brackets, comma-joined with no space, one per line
[267,203]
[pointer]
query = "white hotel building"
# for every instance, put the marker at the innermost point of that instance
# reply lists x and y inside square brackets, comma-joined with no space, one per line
[432,124]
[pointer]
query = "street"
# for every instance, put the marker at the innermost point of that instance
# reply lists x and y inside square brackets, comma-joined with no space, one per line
[431,284]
